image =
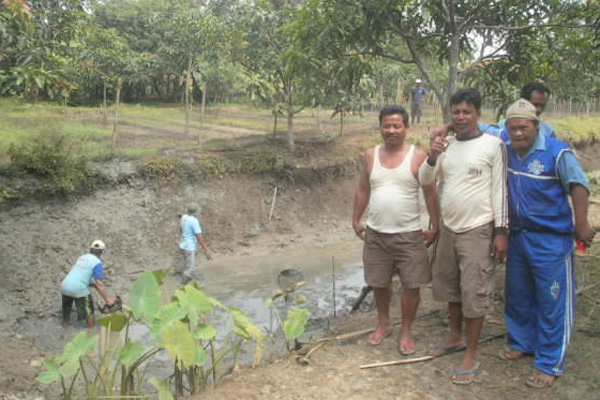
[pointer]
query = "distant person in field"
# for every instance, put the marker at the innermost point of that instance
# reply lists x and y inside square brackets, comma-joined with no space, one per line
[537,94]
[471,169]
[191,237]
[540,277]
[87,271]
[393,238]
[417,98]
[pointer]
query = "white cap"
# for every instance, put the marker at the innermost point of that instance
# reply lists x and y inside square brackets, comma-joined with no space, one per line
[418,81]
[98,245]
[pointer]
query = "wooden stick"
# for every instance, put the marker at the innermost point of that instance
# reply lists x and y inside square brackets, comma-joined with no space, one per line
[397,362]
[273,204]
[351,335]
[583,289]
[427,358]
[333,283]
[363,293]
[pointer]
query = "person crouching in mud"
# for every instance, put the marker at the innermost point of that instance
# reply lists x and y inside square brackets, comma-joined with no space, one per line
[87,271]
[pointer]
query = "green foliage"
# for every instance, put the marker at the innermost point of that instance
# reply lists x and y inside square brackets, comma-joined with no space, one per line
[54,158]
[165,168]
[295,323]
[577,129]
[181,328]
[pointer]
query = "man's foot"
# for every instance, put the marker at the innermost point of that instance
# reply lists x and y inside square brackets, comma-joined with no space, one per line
[541,381]
[447,347]
[377,337]
[508,354]
[406,343]
[407,348]
[465,376]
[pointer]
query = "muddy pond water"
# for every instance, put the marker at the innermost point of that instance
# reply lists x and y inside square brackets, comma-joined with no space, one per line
[246,282]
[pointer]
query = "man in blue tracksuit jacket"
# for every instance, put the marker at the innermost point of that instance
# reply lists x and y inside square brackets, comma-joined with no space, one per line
[540,278]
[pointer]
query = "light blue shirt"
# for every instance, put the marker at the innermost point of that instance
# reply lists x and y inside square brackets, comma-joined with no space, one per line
[76,283]
[496,130]
[568,166]
[190,227]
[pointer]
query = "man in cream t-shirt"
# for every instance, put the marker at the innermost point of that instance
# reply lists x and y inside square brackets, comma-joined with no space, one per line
[393,238]
[471,174]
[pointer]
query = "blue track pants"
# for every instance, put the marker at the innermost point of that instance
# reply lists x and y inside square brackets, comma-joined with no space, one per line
[540,297]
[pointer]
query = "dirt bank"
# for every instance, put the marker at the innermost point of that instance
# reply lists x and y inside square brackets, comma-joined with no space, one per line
[138,219]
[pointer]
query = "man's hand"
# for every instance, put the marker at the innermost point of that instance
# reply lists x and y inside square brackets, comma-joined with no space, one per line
[111,302]
[359,229]
[585,232]
[438,146]
[499,247]
[440,131]
[208,256]
[429,236]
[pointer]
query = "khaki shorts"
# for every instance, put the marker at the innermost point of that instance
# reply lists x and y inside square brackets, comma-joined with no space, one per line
[385,254]
[464,270]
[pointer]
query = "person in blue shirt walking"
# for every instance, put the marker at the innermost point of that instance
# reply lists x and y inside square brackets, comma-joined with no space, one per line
[540,278]
[537,94]
[87,271]
[417,98]
[191,237]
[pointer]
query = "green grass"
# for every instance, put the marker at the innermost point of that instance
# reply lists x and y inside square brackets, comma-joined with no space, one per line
[577,129]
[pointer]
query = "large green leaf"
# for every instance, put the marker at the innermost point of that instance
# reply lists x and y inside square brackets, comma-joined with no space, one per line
[295,323]
[51,374]
[166,316]
[241,320]
[164,391]
[130,353]
[145,299]
[160,275]
[115,322]
[194,301]
[180,344]
[80,346]
[205,332]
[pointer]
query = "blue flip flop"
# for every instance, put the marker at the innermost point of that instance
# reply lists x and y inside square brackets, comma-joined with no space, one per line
[462,372]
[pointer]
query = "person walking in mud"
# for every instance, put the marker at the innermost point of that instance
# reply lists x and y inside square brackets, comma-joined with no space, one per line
[191,237]
[87,271]
[540,277]
[472,170]
[393,238]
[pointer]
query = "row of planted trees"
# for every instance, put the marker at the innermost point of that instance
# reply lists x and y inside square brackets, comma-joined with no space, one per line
[289,54]
[183,328]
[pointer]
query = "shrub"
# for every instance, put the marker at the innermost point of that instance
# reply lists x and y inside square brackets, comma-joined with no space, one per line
[54,159]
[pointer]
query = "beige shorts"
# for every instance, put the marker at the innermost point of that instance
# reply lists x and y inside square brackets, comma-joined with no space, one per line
[464,270]
[385,254]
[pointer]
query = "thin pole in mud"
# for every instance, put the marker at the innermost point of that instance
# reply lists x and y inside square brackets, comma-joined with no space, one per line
[333,284]
[273,204]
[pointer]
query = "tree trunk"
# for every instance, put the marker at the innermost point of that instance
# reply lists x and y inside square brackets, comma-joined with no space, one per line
[202,110]
[342,123]
[453,60]
[188,85]
[290,126]
[117,106]
[289,94]
[275,116]
[105,110]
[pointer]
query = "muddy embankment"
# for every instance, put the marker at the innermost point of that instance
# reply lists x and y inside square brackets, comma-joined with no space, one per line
[138,219]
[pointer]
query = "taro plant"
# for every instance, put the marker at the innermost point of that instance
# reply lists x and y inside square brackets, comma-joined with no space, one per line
[181,328]
[294,325]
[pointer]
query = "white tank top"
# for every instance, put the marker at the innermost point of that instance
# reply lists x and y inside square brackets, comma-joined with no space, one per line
[394,202]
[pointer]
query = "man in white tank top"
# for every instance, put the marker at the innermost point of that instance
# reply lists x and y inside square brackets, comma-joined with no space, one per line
[393,238]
